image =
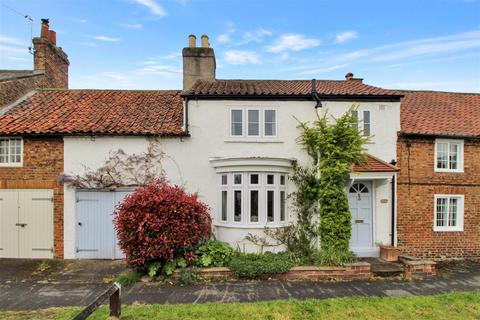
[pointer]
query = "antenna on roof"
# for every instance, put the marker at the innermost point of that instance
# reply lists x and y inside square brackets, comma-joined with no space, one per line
[26,17]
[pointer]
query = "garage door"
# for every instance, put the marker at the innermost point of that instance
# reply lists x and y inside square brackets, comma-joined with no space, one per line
[26,223]
[96,237]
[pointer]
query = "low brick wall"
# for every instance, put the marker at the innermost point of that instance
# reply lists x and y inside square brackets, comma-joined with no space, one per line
[352,271]
[418,268]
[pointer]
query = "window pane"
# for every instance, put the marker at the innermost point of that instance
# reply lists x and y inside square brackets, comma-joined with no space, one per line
[441,218]
[270,205]
[237,179]
[224,205]
[224,179]
[237,214]
[366,116]
[254,205]
[366,129]
[270,179]
[282,205]
[270,120]
[442,155]
[355,117]
[253,122]
[254,178]
[237,123]
[282,180]
[453,156]
[452,212]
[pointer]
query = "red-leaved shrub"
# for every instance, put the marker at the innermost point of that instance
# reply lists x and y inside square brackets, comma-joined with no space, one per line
[160,222]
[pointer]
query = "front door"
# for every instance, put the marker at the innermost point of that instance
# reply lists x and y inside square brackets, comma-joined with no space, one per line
[360,200]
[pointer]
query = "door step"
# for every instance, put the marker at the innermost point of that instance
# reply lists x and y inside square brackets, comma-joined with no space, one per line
[382,268]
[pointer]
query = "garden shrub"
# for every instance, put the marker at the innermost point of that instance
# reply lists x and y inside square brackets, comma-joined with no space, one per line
[160,223]
[252,265]
[214,254]
[333,257]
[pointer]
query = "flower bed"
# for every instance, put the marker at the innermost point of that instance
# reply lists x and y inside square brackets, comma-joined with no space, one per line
[350,271]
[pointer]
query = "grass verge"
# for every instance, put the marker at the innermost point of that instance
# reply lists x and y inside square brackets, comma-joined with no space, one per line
[449,306]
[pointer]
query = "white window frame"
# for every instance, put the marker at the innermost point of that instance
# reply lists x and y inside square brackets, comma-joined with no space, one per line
[261,132]
[9,163]
[231,122]
[245,188]
[460,212]
[459,159]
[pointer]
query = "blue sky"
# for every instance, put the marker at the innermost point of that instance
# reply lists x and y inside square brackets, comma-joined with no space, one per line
[136,44]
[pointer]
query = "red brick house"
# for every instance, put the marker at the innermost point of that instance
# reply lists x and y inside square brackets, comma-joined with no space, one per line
[439,180]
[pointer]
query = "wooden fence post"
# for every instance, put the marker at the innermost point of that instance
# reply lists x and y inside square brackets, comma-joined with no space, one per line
[115,303]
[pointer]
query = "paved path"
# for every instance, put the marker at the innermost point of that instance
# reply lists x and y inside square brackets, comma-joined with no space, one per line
[24,295]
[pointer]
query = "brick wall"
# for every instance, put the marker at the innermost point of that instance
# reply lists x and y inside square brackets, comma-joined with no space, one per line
[417,185]
[42,164]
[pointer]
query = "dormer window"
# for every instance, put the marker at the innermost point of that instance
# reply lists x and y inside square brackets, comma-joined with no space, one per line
[11,152]
[253,122]
[448,155]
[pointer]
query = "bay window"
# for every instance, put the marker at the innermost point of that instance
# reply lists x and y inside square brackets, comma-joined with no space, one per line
[253,198]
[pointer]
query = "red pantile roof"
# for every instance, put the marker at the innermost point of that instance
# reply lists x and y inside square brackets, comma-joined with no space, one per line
[373,164]
[354,87]
[96,111]
[440,113]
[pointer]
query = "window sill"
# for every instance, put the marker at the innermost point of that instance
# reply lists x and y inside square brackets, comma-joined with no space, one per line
[251,226]
[253,140]
[437,229]
[11,165]
[448,171]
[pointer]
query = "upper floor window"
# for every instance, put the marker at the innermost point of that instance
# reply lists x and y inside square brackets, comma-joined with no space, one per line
[448,155]
[364,121]
[448,213]
[253,198]
[11,153]
[253,122]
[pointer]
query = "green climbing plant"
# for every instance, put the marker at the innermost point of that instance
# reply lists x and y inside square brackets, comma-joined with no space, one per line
[333,148]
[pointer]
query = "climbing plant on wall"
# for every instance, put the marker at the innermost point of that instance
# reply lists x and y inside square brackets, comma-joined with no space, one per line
[333,148]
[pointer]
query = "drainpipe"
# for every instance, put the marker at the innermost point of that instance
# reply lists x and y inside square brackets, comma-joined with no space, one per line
[315,94]
[393,162]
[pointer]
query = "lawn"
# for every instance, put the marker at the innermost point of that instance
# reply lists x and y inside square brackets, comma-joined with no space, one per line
[447,306]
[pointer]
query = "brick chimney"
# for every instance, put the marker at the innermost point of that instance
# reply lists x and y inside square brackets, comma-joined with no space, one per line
[198,62]
[49,58]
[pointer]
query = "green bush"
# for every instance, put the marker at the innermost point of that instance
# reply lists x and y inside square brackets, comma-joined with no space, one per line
[128,277]
[333,257]
[252,265]
[189,276]
[214,254]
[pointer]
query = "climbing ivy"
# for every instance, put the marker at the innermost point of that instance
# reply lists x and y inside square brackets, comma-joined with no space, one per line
[333,148]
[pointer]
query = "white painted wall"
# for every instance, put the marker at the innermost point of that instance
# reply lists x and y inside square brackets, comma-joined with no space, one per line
[188,163]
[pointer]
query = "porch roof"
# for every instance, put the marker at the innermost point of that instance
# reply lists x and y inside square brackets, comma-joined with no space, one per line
[374,164]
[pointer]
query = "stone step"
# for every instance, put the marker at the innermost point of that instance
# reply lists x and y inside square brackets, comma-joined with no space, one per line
[382,268]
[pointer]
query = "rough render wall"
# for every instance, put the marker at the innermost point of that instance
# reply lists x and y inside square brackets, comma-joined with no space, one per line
[42,164]
[417,185]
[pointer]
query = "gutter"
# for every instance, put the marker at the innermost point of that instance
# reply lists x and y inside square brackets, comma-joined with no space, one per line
[393,162]
[294,97]
[186,116]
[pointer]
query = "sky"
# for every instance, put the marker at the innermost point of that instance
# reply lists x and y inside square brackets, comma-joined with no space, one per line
[136,44]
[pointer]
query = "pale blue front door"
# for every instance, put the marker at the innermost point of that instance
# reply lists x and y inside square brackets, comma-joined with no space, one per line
[360,201]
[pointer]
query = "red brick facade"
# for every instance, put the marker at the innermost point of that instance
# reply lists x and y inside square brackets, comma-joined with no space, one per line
[417,185]
[42,164]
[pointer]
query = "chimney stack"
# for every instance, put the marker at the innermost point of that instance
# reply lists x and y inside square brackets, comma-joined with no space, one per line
[349,76]
[50,59]
[198,62]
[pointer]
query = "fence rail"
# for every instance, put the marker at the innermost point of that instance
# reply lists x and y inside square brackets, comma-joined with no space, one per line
[113,294]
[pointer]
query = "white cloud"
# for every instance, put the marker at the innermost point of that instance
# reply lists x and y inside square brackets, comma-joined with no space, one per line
[255,36]
[12,41]
[323,70]
[160,69]
[6,49]
[241,57]
[106,39]
[223,38]
[154,7]
[345,36]
[80,20]
[293,42]
[133,26]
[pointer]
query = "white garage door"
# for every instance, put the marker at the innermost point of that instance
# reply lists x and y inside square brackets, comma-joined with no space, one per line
[96,238]
[26,223]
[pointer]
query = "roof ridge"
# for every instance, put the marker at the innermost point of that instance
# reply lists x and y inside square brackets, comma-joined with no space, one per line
[435,91]
[110,90]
